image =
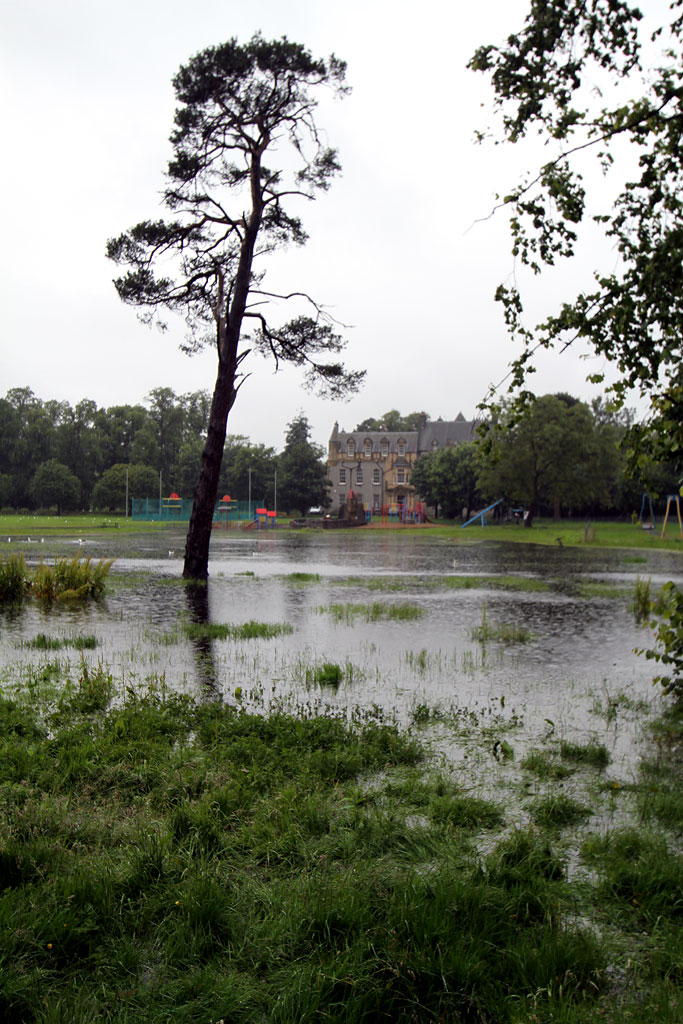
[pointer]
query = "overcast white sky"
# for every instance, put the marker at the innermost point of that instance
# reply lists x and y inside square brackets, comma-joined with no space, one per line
[394,249]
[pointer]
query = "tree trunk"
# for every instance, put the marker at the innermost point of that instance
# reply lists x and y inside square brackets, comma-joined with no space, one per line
[229,325]
[196,566]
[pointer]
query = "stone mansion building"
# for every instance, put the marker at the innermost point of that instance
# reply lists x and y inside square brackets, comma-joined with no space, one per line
[377,464]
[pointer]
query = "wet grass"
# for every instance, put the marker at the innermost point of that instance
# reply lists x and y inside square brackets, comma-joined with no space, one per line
[373,611]
[327,674]
[524,584]
[161,859]
[43,642]
[595,755]
[301,577]
[241,631]
[505,632]
[20,527]
[589,589]
[544,766]
[558,810]
[67,579]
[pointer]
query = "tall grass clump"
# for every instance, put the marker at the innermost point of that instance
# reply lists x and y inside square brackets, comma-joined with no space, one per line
[595,755]
[641,604]
[14,582]
[70,579]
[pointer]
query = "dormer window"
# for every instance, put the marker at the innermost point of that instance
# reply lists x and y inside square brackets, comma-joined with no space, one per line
[435,444]
[384,449]
[401,448]
[367,448]
[351,447]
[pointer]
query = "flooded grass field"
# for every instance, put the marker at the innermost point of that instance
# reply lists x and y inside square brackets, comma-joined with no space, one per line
[512,667]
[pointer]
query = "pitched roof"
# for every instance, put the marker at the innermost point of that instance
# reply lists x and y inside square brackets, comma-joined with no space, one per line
[445,433]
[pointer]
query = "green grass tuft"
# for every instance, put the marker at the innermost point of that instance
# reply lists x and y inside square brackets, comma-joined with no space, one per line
[243,631]
[596,755]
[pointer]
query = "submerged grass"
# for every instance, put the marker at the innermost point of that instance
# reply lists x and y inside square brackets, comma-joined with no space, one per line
[506,632]
[43,642]
[373,611]
[242,631]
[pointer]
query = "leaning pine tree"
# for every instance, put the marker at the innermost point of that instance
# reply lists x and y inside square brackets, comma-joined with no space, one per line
[237,106]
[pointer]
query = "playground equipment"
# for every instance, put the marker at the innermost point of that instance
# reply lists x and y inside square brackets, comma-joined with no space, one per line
[670,498]
[172,506]
[482,515]
[404,513]
[227,511]
[651,525]
[265,519]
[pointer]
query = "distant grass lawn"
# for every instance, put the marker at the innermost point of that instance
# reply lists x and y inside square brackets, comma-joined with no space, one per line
[66,525]
[565,533]
[571,533]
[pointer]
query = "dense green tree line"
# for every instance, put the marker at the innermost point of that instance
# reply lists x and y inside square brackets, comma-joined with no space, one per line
[53,455]
[560,457]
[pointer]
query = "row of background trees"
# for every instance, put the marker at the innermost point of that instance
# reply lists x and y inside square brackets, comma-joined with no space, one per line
[53,454]
[562,457]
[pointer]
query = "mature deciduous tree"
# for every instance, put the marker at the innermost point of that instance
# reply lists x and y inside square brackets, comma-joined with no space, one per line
[54,484]
[248,468]
[447,478]
[548,81]
[549,457]
[110,490]
[393,420]
[238,107]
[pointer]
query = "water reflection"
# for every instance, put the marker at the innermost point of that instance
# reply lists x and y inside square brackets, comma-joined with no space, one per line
[197,598]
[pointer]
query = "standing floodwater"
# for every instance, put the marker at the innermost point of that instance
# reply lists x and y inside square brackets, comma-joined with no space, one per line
[399,622]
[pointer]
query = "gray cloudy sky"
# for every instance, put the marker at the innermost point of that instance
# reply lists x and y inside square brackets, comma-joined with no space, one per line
[396,246]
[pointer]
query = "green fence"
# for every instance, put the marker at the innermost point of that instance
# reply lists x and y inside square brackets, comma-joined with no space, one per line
[169,510]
